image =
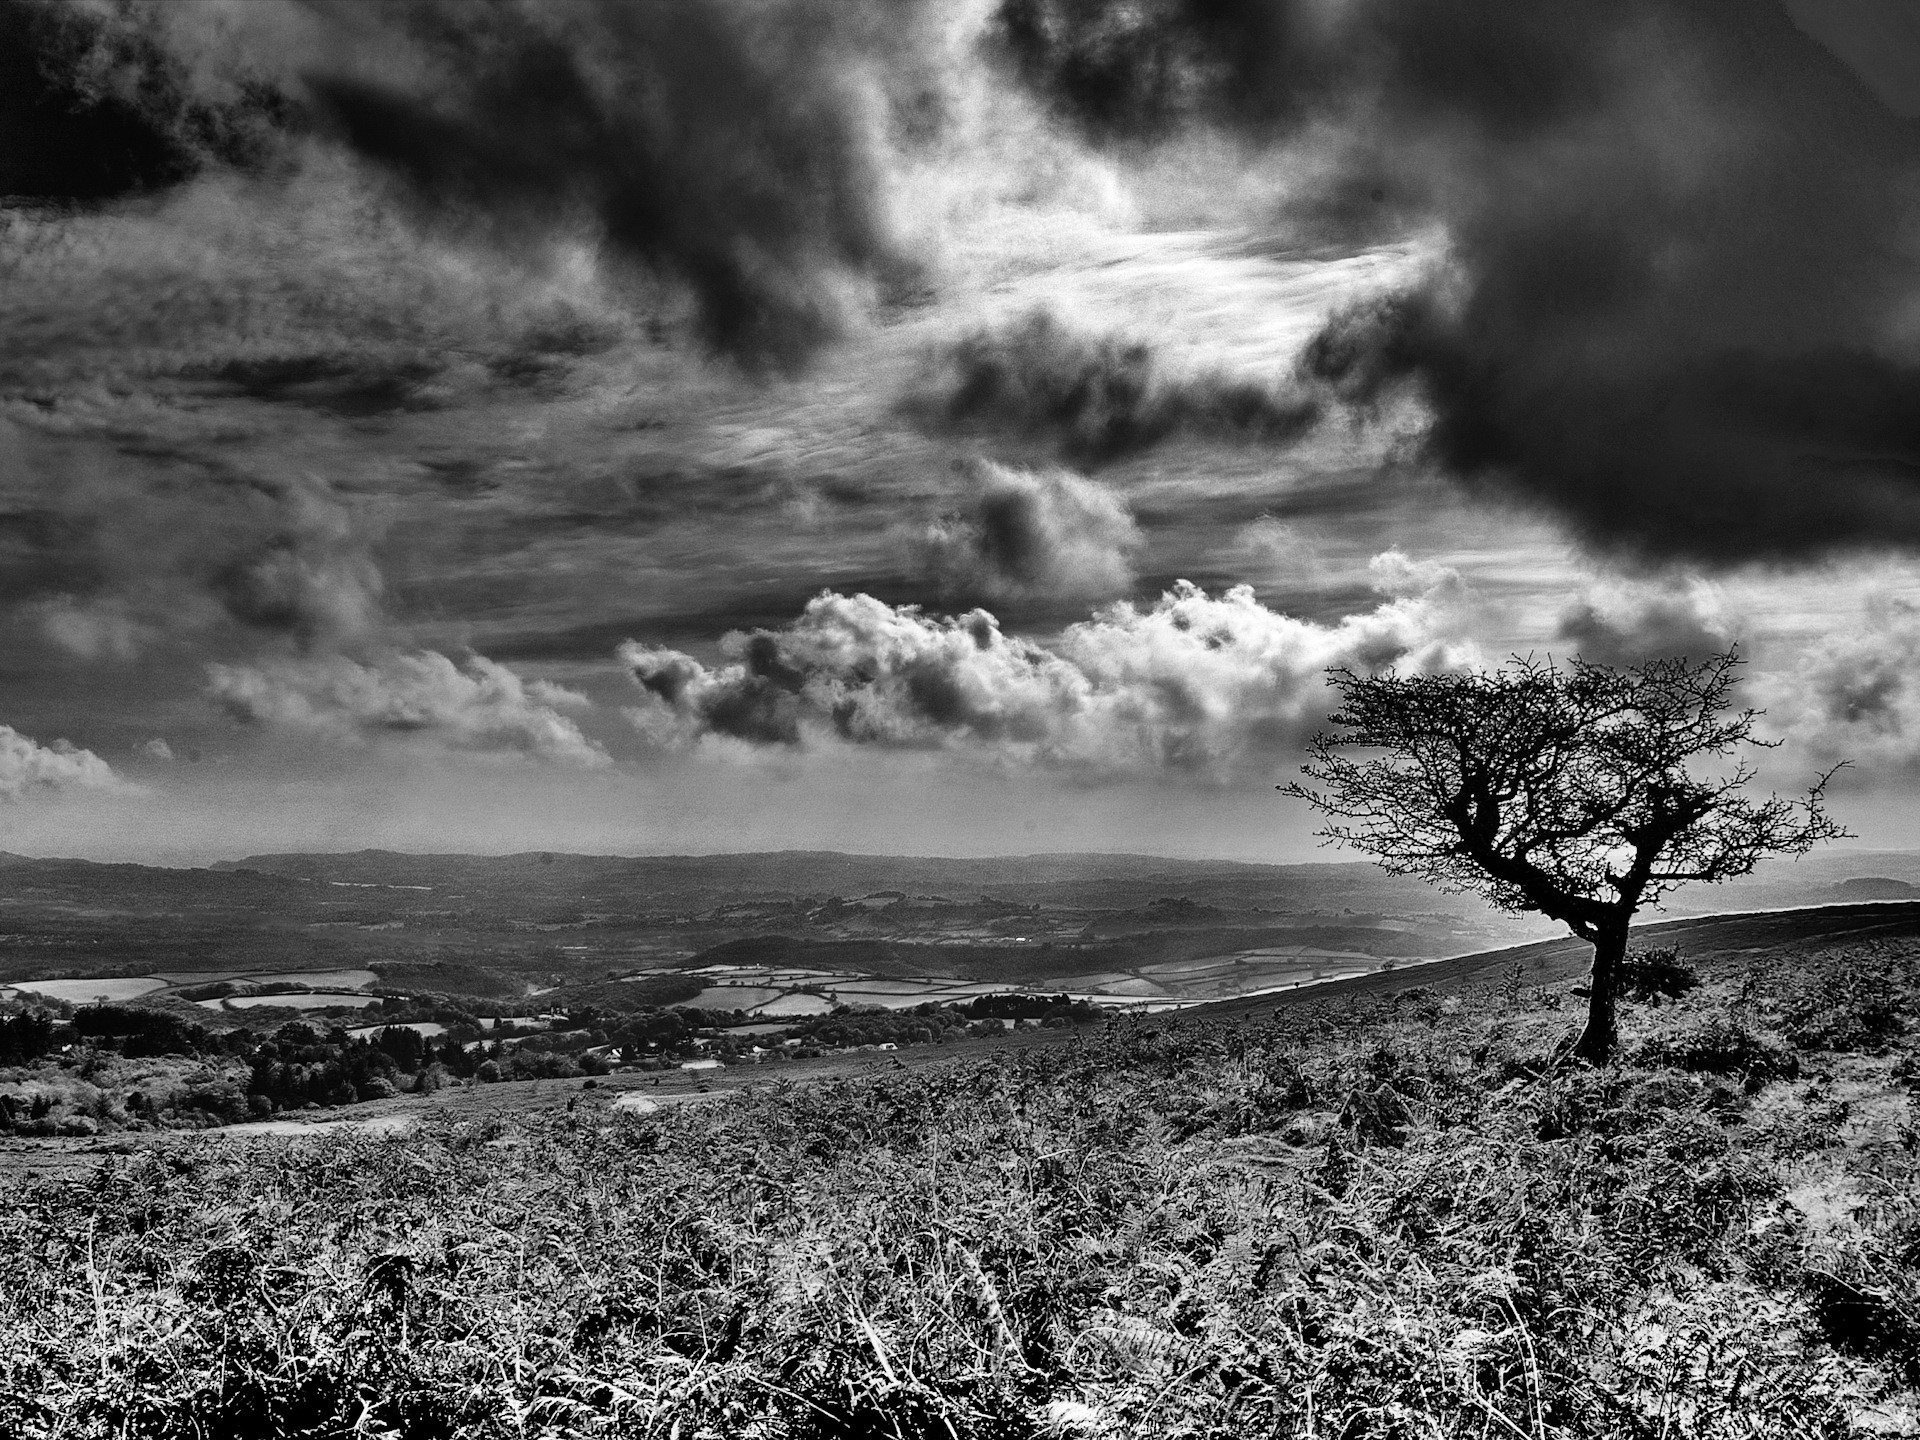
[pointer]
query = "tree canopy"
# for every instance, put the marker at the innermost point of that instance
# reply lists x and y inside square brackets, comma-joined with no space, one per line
[1576,790]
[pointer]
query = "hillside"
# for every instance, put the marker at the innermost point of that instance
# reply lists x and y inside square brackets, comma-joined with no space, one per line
[1383,1211]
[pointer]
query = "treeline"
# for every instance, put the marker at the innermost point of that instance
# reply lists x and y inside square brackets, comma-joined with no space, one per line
[138,1034]
[242,1074]
[25,1038]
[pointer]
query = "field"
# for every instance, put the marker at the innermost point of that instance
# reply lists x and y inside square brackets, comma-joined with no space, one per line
[88,991]
[304,1000]
[321,990]
[1377,1212]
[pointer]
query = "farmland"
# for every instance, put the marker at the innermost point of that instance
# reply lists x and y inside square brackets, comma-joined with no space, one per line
[271,983]
[765,939]
[515,934]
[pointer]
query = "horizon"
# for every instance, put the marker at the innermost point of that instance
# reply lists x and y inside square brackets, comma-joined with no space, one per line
[1330,857]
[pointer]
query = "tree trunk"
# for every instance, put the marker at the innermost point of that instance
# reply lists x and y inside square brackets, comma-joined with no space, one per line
[1596,1041]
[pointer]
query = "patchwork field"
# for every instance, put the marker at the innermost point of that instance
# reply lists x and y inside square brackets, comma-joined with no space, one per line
[780,941]
[762,992]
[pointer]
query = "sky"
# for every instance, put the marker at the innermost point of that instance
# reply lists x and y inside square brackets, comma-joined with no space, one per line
[924,426]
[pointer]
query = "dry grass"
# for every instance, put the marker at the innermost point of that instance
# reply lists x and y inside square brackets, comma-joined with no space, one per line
[1390,1218]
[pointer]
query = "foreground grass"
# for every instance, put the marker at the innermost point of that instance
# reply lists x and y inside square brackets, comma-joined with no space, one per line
[1398,1217]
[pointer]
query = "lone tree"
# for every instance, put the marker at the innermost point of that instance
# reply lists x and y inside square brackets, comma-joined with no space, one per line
[1582,792]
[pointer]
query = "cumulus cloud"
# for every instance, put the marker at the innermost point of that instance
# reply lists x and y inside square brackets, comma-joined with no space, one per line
[1394,572]
[1095,398]
[1214,686]
[1854,695]
[1033,534]
[423,695]
[1630,625]
[310,574]
[26,766]
[1678,303]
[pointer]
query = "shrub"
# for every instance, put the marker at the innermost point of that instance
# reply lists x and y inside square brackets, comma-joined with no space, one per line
[1655,974]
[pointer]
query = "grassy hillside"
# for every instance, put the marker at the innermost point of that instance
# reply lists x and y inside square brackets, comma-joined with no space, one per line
[1388,1214]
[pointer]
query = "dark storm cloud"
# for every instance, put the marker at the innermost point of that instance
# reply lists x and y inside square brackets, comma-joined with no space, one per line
[92,107]
[733,146]
[1142,71]
[724,143]
[1678,305]
[1096,398]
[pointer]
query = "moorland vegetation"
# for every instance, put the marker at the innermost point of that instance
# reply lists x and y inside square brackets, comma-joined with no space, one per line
[1391,1215]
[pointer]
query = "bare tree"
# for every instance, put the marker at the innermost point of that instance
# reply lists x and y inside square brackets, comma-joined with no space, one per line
[1581,792]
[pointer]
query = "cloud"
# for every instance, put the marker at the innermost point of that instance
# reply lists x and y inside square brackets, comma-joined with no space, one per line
[1394,572]
[737,149]
[1677,306]
[476,706]
[1215,687]
[310,574]
[95,105]
[732,145]
[122,554]
[1033,534]
[1096,399]
[98,629]
[1143,72]
[1853,694]
[26,766]
[1627,625]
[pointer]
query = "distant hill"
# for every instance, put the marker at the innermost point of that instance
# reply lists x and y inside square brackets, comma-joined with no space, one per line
[701,881]
[495,924]
[1877,887]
